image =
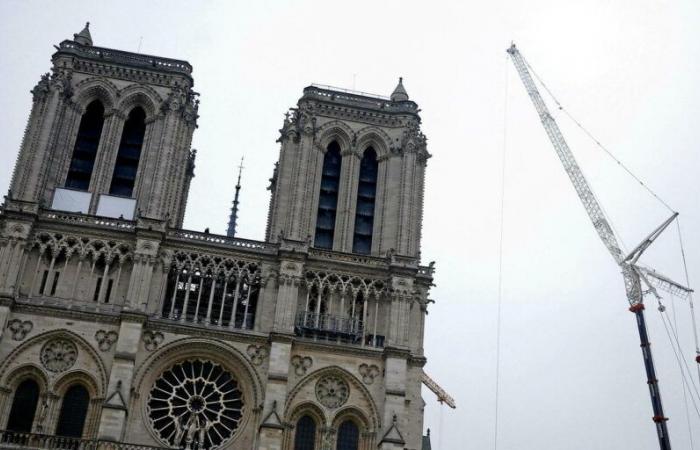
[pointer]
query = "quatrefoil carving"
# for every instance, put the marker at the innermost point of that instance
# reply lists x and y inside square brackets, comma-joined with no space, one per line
[105,339]
[368,373]
[256,353]
[301,364]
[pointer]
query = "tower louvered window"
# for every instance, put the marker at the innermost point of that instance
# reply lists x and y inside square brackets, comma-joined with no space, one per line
[328,197]
[129,154]
[305,435]
[85,150]
[366,195]
[24,406]
[73,412]
[348,436]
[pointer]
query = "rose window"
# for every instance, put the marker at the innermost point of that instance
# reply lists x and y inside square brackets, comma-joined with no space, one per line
[332,391]
[195,404]
[59,355]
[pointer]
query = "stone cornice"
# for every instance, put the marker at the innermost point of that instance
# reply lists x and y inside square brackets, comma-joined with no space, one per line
[343,349]
[166,325]
[65,313]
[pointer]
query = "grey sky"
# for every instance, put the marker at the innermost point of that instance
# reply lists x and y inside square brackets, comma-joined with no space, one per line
[571,369]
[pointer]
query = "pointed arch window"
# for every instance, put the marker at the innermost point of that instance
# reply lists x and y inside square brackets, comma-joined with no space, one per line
[366,196]
[328,197]
[305,436]
[24,406]
[71,419]
[348,436]
[85,149]
[129,154]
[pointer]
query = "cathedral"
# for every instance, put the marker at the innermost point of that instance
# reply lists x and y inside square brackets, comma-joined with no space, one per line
[122,330]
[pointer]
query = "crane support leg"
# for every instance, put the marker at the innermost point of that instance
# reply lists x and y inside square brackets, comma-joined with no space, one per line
[659,418]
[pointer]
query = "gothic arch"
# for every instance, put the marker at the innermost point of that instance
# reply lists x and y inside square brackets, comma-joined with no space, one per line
[376,138]
[305,408]
[24,371]
[351,413]
[358,393]
[139,95]
[78,376]
[96,88]
[232,359]
[335,131]
[7,368]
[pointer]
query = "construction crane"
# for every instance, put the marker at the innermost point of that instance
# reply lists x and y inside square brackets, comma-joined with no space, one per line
[633,274]
[442,396]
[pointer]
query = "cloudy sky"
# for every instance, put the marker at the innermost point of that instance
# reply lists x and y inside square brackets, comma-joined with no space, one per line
[571,372]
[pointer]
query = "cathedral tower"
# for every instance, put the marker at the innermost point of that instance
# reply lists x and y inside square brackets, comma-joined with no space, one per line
[109,134]
[122,330]
[351,171]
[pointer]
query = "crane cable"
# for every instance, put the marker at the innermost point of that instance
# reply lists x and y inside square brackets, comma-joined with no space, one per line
[500,256]
[690,295]
[685,389]
[597,142]
[677,351]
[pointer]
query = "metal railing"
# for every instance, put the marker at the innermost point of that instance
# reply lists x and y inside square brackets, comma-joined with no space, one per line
[307,320]
[17,439]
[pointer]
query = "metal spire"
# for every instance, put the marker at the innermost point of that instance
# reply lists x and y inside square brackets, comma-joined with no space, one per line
[234,209]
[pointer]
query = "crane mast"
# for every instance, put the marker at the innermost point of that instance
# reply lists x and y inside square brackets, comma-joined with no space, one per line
[632,274]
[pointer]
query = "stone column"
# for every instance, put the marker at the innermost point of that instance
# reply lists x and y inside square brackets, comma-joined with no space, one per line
[115,408]
[271,431]
[395,379]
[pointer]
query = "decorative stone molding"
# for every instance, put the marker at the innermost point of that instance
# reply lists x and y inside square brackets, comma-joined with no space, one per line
[19,328]
[332,391]
[58,355]
[152,339]
[256,353]
[301,364]
[105,339]
[368,373]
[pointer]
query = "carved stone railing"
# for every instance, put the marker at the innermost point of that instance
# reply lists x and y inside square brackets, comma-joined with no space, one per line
[360,99]
[132,59]
[244,244]
[16,439]
[85,219]
[353,258]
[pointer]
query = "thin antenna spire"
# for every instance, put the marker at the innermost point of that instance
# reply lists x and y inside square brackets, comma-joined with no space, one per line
[234,209]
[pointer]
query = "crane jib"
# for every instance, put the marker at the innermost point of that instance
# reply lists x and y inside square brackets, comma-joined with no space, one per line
[631,276]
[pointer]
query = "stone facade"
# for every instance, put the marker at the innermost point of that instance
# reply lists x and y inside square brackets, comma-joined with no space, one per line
[189,339]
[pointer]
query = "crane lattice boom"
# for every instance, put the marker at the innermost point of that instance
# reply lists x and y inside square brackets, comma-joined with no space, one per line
[442,396]
[631,272]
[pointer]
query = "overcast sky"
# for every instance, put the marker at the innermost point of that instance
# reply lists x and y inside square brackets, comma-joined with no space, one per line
[571,375]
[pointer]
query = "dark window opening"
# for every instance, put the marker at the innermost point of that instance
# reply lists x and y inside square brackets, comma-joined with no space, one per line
[98,285]
[328,197]
[85,150]
[366,197]
[348,436]
[55,283]
[24,407]
[71,419]
[129,153]
[305,435]
[109,290]
[43,282]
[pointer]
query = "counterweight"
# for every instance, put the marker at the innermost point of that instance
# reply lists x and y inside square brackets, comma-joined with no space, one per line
[632,274]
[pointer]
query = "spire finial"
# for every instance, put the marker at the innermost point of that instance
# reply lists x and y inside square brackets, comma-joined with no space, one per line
[231,232]
[399,94]
[84,38]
